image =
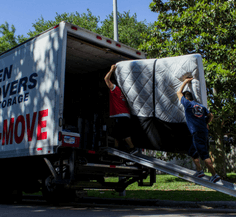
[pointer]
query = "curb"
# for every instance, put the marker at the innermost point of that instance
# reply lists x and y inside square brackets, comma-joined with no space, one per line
[203,206]
[161,203]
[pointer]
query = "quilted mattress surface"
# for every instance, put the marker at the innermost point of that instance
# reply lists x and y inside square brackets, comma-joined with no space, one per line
[150,87]
[136,81]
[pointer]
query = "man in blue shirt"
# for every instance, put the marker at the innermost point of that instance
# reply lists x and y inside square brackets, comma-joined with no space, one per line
[196,116]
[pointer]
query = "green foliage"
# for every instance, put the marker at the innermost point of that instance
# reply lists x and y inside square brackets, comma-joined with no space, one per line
[87,21]
[206,27]
[8,38]
[130,30]
[128,27]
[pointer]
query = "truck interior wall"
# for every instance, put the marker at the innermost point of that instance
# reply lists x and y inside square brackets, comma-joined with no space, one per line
[86,108]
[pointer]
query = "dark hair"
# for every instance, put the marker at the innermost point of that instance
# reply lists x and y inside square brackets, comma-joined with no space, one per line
[113,79]
[188,95]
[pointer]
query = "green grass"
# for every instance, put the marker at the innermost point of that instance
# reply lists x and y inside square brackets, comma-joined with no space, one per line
[167,187]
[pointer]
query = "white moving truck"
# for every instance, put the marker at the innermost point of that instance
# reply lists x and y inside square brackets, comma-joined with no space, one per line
[54,115]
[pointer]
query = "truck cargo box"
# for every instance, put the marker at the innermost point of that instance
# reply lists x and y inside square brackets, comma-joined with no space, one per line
[52,83]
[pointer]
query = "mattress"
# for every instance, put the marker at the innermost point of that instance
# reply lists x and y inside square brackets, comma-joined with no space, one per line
[150,87]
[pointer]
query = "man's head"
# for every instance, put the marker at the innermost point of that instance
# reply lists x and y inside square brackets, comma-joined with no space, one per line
[188,95]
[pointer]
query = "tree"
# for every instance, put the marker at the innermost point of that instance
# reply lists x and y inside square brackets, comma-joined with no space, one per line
[129,29]
[87,21]
[8,38]
[206,27]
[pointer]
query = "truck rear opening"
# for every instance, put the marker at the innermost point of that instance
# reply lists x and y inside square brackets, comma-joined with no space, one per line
[86,96]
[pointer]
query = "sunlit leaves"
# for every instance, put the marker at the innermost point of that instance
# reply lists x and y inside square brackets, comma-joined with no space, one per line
[131,32]
[8,38]
[84,20]
[129,29]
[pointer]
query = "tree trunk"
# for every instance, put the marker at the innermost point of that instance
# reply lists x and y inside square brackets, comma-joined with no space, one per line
[217,152]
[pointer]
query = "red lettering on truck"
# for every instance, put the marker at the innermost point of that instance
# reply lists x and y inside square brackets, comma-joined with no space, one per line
[20,119]
[30,130]
[7,133]
[17,128]
[42,124]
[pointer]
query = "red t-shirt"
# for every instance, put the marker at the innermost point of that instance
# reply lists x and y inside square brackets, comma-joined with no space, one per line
[118,103]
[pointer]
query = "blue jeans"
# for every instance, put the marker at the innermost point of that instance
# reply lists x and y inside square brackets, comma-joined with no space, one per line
[199,146]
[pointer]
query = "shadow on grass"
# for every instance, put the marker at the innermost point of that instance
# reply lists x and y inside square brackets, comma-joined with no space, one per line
[231,177]
[173,195]
[174,179]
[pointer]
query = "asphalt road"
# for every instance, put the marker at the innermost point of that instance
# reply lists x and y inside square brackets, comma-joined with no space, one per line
[39,208]
[43,210]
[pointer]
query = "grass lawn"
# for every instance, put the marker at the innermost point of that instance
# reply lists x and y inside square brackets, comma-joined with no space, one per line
[168,187]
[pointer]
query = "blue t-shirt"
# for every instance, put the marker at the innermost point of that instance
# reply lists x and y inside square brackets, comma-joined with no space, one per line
[195,114]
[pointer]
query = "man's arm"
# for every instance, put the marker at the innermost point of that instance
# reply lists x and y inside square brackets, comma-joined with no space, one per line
[108,77]
[179,92]
[210,117]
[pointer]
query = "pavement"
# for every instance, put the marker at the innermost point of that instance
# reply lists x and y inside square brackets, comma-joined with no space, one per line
[203,206]
[161,203]
[164,205]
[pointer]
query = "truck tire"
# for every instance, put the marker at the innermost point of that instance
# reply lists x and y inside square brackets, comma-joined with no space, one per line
[9,195]
[55,194]
[10,191]
[6,196]
[49,190]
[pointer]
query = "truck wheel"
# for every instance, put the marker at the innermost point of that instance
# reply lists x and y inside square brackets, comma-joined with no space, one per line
[49,190]
[8,195]
[55,194]
[17,195]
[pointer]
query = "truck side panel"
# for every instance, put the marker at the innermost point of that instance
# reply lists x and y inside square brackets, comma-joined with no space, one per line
[30,88]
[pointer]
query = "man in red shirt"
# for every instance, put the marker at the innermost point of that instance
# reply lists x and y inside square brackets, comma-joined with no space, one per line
[120,111]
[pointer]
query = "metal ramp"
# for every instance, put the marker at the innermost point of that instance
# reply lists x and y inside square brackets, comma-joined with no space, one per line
[175,170]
